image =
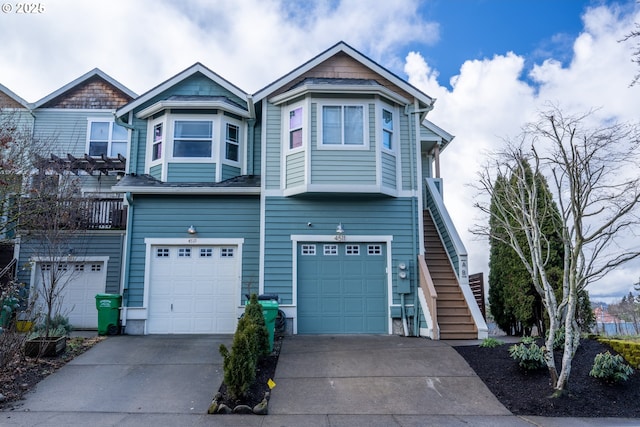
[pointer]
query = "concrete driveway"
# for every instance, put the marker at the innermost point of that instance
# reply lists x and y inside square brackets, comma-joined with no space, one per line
[320,381]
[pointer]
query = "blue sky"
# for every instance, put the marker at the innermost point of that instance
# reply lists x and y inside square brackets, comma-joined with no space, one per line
[510,58]
[475,29]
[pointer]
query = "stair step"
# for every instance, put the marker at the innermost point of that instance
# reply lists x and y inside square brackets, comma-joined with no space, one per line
[458,335]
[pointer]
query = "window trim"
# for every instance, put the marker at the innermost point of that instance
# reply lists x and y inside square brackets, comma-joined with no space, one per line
[225,142]
[287,129]
[110,141]
[342,146]
[393,131]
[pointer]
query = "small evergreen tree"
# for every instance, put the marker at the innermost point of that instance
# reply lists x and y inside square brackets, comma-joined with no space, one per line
[253,310]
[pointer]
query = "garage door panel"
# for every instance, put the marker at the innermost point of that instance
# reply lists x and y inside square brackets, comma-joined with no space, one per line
[341,289]
[200,284]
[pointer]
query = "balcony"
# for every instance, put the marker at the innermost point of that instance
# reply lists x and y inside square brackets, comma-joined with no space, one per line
[75,214]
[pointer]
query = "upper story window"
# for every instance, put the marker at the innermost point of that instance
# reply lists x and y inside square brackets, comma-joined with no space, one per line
[156,151]
[106,138]
[295,128]
[232,142]
[387,129]
[343,125]
[193,138]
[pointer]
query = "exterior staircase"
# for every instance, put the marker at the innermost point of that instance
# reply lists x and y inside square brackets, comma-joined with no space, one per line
[454,317]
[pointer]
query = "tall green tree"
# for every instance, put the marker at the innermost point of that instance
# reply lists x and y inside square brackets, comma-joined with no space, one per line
[515,304]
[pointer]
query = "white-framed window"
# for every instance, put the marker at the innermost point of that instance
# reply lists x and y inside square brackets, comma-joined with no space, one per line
[106,138]
[342,126]
[96,267]
[184,252]
[308,250]
[78,267]
[232,142]
[374,249]
[387,129]
[193,139]
[206,252]
[295,125]
[156,144]
[330,249]
[352,250]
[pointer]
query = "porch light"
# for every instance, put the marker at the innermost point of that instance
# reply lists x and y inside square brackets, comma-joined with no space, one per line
[191,230]
[339,230]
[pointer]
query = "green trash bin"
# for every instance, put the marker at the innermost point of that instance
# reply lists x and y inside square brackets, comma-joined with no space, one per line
[108,306]
[270,312]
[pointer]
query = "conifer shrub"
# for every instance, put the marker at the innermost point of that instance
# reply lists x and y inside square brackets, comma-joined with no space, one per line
[239,364]
[610,368]
[253,310]
[529,357]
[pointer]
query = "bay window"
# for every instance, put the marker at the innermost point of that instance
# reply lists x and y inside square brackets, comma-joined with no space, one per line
[387,129]
[232,142]
[295,128]
[343,125]
[193,138]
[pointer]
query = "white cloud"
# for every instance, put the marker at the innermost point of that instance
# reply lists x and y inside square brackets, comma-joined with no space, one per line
[490,100]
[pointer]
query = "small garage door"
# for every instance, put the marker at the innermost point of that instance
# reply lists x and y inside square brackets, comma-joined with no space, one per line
[193,289]
[342,288]
[79,283]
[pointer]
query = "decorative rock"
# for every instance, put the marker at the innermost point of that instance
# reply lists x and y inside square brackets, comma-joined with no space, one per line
[242,409]
[261,408]
[224,409]
[2,398]
[24,386]
[213,408]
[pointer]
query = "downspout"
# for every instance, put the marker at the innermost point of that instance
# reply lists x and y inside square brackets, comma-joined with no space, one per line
[131,165]
[414,179]
[251,136]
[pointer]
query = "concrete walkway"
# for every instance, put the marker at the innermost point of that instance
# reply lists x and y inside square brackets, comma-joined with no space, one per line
[321,381]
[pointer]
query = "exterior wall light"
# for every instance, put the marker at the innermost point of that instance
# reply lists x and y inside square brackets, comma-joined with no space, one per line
[191,230]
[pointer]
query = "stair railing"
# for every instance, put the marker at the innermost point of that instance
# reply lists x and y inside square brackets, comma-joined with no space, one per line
[430,296]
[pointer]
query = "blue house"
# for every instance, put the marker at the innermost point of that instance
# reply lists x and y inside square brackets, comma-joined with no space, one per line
[76,139]
[322,188]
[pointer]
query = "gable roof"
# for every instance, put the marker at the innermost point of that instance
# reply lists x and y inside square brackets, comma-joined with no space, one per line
[445,136]
[96,72]
[9,93]
[342,47]
[194,69]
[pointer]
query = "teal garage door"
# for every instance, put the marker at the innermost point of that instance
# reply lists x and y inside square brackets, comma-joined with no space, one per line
[342,288]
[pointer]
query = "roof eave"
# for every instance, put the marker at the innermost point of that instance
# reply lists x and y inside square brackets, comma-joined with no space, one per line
[195,105]
[339,89]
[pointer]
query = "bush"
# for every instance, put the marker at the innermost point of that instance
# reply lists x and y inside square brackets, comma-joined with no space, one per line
[250,343]
[491,343]
[527,340]
[253,311]
[529,357]
[610,368]
[558,339]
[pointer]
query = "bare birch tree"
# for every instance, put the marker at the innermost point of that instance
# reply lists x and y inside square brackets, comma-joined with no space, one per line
[592,174]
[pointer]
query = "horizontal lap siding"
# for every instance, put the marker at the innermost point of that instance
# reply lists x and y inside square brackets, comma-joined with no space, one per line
[191,172]
[66,131]
[156,172]
[389,170]
[287,216]
[407,136]
[213,217]
[110,245]
[273,146]
[228,172]
[295,169]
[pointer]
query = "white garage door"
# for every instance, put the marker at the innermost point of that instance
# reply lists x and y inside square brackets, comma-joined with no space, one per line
[79,283]
[193,289]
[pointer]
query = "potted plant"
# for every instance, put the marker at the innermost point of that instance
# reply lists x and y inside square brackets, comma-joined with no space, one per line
[48,338]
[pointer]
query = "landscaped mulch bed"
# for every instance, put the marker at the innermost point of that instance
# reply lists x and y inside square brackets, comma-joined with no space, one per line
[528,393]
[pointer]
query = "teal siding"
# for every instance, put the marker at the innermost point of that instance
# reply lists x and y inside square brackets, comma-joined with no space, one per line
[295,169]
[444,233]
[66,130]
[229,171]
[156,172]
[357,167]
[407,146]
[287,216]
[214,217]
[273,141]
[389,170]
[110,245]
[191,172]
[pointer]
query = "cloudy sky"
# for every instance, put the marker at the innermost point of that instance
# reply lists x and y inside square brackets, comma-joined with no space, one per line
[492,64]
